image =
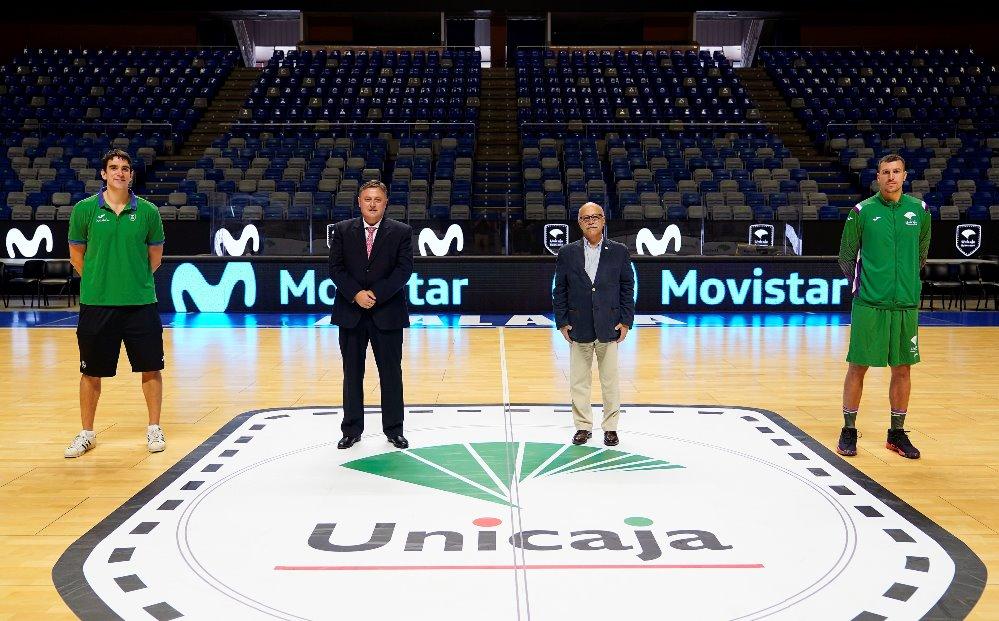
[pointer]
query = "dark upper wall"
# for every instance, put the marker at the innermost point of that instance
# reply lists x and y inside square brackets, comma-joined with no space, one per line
[408,28]
[668,28]
[622,28]
[902,30]
[124,29]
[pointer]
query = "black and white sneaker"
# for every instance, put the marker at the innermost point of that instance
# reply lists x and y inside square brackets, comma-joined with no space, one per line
[898,441]
[80,445]
[847,445]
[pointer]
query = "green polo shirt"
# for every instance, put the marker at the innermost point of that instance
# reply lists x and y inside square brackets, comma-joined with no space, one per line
[116,263]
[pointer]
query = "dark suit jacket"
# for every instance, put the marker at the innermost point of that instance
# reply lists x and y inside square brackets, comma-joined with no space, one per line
[594,308]
[385,273]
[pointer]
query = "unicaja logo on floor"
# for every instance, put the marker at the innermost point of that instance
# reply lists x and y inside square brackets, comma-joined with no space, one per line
[709,513]
[644,544]
[29,247]
[490,471]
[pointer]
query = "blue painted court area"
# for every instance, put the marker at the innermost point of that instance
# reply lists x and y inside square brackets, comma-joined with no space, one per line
[67,319]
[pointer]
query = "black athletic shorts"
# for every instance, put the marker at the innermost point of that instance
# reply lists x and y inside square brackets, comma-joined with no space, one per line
[102,329]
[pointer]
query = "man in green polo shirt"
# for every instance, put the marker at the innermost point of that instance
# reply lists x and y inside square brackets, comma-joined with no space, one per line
[116,243]
[885,243]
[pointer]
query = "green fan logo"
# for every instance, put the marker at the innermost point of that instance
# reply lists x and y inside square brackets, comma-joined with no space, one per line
[488,470]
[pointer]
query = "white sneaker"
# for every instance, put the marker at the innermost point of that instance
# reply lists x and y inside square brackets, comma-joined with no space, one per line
[155,440]
[80,445]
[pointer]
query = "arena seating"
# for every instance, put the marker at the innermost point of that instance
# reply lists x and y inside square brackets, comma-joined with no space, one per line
[361,85]
[936,108]
[652,85]
[316,125]
[63,109]
[600,125]
[731,176]
[632,159]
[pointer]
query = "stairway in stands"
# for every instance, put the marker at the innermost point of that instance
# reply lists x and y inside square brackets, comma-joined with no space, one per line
[497,179]
[826,170]
[171,170]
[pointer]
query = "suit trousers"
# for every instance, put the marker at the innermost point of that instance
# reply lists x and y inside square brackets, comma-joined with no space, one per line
[387,346]
[581,378]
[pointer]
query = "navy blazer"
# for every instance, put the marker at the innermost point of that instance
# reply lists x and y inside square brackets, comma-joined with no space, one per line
[385,273]
[593,308]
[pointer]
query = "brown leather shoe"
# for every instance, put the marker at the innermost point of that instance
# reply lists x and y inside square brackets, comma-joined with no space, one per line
[610,438]
[581,436]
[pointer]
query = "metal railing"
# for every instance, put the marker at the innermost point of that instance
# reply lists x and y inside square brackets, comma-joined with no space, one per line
[382,48]
[131,125]
[111,48]
[613,48]
[895,128]
[332,128]
[245,42]
[602,127]
[751,43]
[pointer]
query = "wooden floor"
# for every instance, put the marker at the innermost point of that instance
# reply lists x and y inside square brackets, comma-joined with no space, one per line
[46,501]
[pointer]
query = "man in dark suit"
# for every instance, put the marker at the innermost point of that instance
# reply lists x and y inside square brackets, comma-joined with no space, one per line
[594,309]
[371,259]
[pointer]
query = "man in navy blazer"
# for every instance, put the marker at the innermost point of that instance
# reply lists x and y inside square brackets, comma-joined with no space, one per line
[371,260]
[594,306]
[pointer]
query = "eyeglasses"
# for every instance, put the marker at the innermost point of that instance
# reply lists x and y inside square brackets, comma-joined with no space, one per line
[593,218]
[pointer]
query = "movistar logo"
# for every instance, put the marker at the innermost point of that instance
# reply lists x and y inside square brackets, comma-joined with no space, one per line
[226,244]
[29,247]
[487,470]
[212,298]
[646,242]
[756,290]
[440,246]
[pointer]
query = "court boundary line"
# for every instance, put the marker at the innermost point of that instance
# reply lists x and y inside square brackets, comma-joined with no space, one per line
[516,518]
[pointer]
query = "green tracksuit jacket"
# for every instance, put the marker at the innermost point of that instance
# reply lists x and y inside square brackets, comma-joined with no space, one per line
[884,245]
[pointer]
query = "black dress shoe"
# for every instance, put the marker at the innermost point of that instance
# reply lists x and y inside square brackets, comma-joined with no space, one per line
[581,436]
[346,442]
[610,438]
[400,441]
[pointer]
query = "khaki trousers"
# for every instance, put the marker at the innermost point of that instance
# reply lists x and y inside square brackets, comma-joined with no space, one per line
[581,379]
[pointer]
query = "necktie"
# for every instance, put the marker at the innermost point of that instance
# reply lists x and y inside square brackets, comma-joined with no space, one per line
[371,238]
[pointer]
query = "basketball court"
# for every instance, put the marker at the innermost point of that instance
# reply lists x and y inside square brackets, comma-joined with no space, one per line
[723,500]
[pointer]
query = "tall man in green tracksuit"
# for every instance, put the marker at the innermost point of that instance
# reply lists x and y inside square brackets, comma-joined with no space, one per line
[885,243]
